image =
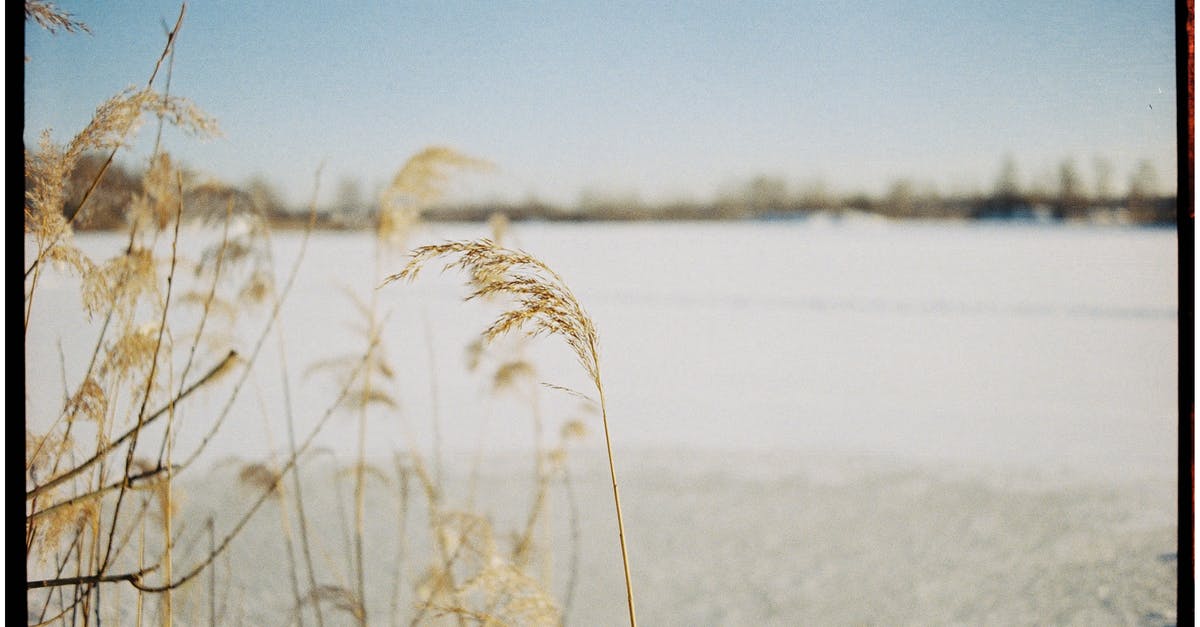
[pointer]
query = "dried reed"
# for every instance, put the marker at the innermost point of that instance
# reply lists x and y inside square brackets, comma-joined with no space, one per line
[544,305]
[73,521]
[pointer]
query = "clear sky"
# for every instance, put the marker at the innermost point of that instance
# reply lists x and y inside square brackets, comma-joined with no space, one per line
[663,101]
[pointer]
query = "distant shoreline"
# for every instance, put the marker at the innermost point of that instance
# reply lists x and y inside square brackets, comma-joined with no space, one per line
[1163,216]
[1098,218]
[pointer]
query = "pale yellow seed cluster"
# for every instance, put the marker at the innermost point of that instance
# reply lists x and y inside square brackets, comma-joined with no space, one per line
[513,598]
[339,598]
[131,354]
[421,181]
[88,403]
[110,128]
[260,476]
[65,255]
[495,591]
[510,373]
[69,518]
[574,430]
[160,196]
[120,283]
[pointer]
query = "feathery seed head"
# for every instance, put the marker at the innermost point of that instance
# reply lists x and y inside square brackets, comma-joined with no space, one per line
[574,430]
[511,596]
[260,476]
[160,195]
[419,182]
[120,283]
[509,373]
[110,128]
[51,18]
[65,254]
[498,223]
[120,116]
[543,304]
[89,402]
[132,353]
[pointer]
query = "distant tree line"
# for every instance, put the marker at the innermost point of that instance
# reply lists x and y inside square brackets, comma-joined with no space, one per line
[1062,196]
[1071,200]
[1058,197]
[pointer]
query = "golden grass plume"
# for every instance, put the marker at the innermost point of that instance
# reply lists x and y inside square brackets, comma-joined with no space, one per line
[120,283]
[110,128]
[544,305]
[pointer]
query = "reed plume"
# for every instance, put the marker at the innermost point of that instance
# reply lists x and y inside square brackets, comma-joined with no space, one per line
[51,18]
[543,305]
[418,183]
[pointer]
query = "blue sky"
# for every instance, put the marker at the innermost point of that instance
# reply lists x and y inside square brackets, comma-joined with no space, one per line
[662,101]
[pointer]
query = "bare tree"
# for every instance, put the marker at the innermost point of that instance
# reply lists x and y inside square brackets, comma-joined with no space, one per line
[1008,189]
[1144,182]
[348,198]
[1071,202]
[814,194]
[263,197]
[1104,172]
[1006,195]
[1143,193]
[901,200]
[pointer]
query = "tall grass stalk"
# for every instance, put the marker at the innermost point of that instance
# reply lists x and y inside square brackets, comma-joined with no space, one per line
[573,569]
[544,305]
[288,466]
[290,420]
[141,415]
[210,528]
[263,476]
[434,397]
[402,500]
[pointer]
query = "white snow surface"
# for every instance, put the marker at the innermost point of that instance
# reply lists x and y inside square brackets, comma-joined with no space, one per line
[819,422]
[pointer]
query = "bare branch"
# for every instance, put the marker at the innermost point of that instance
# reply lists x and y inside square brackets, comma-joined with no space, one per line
[134,578]
[266,494]
[97,493]
[104,452]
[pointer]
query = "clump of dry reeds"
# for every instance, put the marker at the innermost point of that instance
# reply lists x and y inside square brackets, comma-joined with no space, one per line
[542,305]
[102,502]
[103,468]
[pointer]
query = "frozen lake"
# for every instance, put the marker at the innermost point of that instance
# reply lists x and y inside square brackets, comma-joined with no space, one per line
[821,422]
[989,343]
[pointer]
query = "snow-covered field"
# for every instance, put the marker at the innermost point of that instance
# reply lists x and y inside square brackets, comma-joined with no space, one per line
[815,422]
[774,539]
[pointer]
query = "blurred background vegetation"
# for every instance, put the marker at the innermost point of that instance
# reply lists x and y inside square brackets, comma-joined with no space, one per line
[1052,196]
